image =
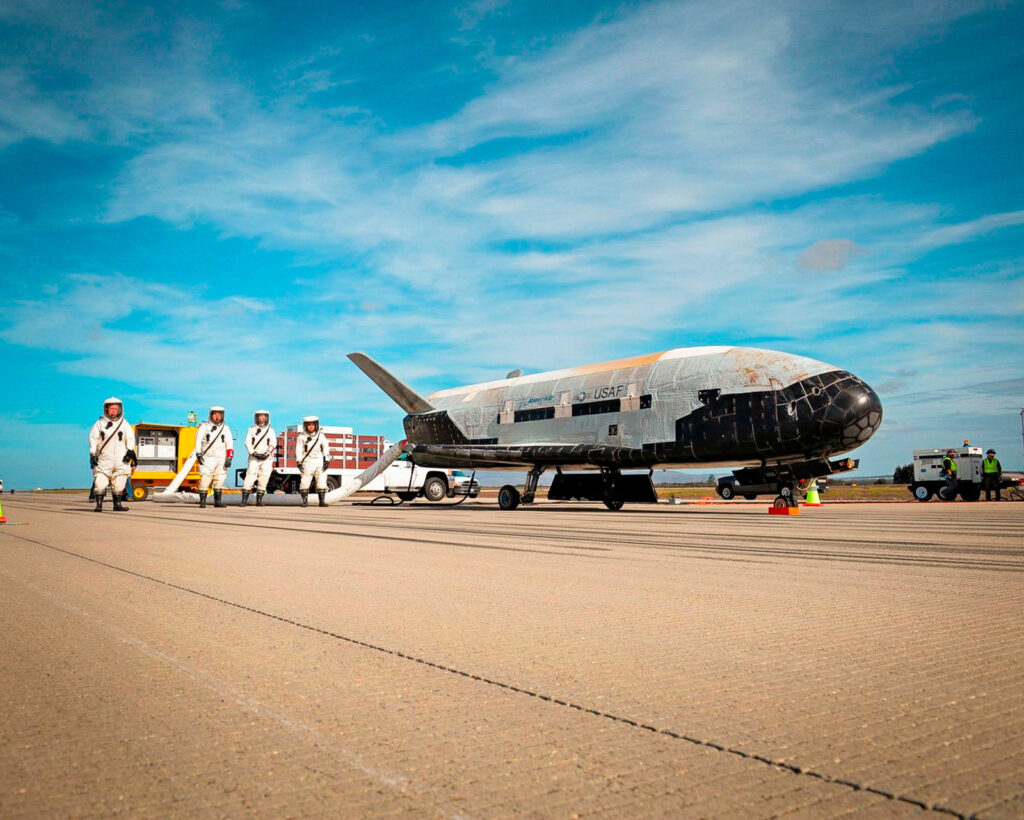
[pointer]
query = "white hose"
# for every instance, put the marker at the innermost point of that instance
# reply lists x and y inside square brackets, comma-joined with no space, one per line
[288,499]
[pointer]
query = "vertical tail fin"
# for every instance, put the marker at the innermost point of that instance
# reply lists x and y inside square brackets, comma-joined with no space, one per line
[403,395]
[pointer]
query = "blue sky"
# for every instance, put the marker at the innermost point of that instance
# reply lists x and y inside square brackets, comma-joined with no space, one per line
[213,203]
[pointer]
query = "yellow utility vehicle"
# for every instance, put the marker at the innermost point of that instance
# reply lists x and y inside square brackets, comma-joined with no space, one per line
[162,450]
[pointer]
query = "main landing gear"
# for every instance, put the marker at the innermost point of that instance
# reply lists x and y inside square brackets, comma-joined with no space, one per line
[610,488]
[509,497]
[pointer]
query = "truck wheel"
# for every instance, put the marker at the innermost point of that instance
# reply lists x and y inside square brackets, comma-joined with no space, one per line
[333,482]
[406,496]
[435,488]
[946,495]
[727,492]
[140,492]
[508,497]
[922,493]
[972,493]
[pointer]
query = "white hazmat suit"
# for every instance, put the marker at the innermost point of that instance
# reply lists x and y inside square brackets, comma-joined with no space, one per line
[261,442]
[215,447]
[111,454]
[313,455]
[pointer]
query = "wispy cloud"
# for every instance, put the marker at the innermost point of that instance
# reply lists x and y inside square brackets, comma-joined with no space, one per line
[665,173]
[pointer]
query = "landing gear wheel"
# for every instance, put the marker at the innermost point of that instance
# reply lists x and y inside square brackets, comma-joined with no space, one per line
[783,501]
[140,492]
[508,497]
[727,492]
[434,489]
[614,504]
[922,493]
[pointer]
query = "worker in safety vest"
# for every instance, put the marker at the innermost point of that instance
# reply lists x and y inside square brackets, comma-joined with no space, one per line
[313,454]
[991,475]
[948,472]
[214,451]
[111,454]
[261,442]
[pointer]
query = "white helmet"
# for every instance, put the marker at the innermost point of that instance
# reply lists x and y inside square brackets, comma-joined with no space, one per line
[107,403]
[315,420]
[256,417]
[216,409]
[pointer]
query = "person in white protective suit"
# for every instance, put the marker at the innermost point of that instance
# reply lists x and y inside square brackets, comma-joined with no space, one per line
[261,442]
[111,454]
[313,455]
[214,451]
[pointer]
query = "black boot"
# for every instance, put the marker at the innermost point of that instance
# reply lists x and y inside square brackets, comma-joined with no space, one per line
[320,494]
[99,501]
[202,499]
[305,498]
[217,500]
[119,502]
[259,498]
[245,498]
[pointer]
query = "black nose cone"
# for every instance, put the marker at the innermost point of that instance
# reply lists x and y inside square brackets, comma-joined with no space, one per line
[852,413]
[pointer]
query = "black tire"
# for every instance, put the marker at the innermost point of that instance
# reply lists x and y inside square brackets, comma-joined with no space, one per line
[727,492]
[140,492]
[783,501]
[971,493]
[750,496]
[785,491]
[406,495]
[333,482]
[614,504]
[508,497]
[922,492]
[945,495]
[435,488]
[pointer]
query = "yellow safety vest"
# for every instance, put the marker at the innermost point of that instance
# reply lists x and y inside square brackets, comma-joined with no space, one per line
[990,465]
[952,464]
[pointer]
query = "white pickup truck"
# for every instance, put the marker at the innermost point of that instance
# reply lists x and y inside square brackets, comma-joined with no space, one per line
[401,479]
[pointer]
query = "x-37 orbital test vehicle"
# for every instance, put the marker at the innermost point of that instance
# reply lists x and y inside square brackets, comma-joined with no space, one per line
[774,413]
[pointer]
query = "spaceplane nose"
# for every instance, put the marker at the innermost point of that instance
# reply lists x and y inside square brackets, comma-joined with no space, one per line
[853,414]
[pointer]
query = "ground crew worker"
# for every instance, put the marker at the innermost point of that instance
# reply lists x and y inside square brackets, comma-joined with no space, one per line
[313,454]
[949,472]
[214,451]
[261,442]
[991,475]
[111,454]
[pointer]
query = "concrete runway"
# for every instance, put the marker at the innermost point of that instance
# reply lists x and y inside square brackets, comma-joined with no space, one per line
[555,661]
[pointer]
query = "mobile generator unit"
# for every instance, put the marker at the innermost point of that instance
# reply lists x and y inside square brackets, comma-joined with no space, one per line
[162,450]
[929,481]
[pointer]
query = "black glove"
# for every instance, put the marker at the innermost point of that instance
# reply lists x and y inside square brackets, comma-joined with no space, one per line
[227,462]
[327,463]
[93,461]
[130,458]
[199,460]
